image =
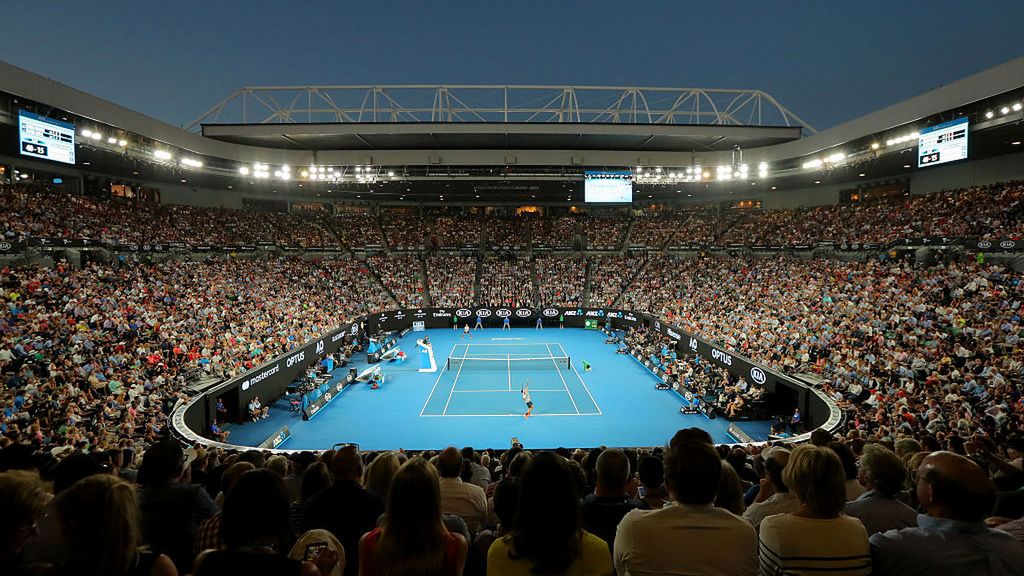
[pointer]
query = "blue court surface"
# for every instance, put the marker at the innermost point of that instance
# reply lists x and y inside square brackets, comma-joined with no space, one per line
[474,398]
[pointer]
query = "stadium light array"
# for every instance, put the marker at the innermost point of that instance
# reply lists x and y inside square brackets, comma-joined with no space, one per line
[111,140]
[813,164]
[122,143]
[243,170]
[192,162]
[762,169]
[162,155]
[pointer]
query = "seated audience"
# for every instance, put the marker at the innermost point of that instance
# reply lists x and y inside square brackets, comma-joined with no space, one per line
[883,476]
[22,499]
[774,496]
[459,498]
[603,510]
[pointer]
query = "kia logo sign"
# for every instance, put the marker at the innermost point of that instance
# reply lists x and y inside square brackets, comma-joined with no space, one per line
[463,313]
[1007,244]
[984,244]
[523,312]
[757,375]
[5,246]
[550,312]
[503,313]
[483,313]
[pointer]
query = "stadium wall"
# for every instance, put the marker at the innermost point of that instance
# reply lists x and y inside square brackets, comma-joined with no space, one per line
[967,174]
[803,197]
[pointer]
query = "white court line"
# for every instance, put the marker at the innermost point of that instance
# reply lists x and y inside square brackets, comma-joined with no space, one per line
[503,415]
[587,388]
[529,344]
[504,391]
[509,372]
[431,395]
[564,384]
[456,383]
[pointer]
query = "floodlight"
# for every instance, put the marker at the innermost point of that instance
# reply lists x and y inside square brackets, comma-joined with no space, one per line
[162,154]
[244,171]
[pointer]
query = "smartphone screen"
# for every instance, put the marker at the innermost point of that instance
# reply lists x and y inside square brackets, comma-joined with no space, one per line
[313,551]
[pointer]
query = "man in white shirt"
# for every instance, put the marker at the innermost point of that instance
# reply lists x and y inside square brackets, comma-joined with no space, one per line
[690,536]
[462,499]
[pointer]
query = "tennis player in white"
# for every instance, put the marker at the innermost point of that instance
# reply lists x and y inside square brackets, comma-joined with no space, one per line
[526,398]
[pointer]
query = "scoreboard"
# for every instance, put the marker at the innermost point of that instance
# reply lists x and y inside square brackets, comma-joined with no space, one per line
[946,142]
[41,137]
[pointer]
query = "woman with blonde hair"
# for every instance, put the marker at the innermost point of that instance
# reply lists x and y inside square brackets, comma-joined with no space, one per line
[412,540]
[22,500]
[99,518]
[817,538]
[378,475]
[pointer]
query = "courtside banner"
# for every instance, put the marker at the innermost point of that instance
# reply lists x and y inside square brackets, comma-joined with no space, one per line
[271,380]
[494,317]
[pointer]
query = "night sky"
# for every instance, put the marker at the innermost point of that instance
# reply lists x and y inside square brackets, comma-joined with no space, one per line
[826,61]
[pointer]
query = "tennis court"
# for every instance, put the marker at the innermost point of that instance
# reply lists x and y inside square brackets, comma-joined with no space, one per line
[485,379]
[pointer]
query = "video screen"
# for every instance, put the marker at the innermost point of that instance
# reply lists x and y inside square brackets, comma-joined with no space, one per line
[946,142]
[41,137]
[608,186]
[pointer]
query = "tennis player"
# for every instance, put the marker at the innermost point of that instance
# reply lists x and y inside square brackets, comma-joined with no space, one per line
[526,398]
[466,332]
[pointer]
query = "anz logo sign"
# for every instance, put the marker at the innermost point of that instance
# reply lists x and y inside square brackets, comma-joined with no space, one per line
[722,357]
[758,375]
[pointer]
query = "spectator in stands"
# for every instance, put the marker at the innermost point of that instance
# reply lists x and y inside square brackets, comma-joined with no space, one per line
[603,510]
[459,498]
[208,535]
[817,537]
[172,508]
[730,492]
[345,509]
[546,536]
[472,471]
[773,496]
[413,539]
[651,472]
[254,527]
[22,499]
[951,537]
[48,546]
[380,472]
[853,487]
[883,476]
[99,518]
[315,479]
[691,535]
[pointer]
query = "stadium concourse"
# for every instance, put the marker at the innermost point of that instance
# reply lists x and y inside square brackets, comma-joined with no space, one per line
[920,354]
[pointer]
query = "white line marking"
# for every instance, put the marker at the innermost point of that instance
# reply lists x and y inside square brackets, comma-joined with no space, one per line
[506,391]
[510,345]
[564,384]
[431,395]
[509,372]
[587,388]
[456,382]
[505,415]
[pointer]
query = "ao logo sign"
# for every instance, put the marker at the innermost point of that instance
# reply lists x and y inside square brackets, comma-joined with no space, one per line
[463,313]
[1007,244]
[693,344]
[319,346]
[483,313]
[757,375]
[523,312]
[550,312]
[722,357]
[984,244]
[503,313]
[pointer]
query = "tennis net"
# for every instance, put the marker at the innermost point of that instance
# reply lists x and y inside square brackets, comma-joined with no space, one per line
[507,363]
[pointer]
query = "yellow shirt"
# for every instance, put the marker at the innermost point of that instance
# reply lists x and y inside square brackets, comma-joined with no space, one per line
[595,559]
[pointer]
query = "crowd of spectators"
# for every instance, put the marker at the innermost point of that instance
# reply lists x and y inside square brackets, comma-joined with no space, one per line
[99,356]
[402,275]
[604,233]
[610,275]
[455,232]
[561,281]
[855,504]
[508,233]
[505,281]
[356,230]
[452,280]
[655,230]
[552,231]
[403,232]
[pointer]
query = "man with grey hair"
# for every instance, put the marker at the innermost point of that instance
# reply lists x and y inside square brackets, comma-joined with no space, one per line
[773,496]
[459,498]
[883,476]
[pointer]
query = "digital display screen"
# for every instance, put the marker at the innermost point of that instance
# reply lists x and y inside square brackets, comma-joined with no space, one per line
[946,142]
[41,137]
[608,186]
